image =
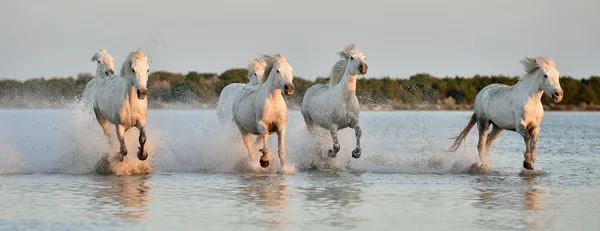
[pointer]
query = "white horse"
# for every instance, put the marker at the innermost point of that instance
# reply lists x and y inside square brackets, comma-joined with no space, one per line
[335,106]
[262,111]
[105,68]
[514,108]
[256,69]
[122,101]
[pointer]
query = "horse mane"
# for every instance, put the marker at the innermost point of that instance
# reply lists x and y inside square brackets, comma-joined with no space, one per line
[337,71]
[255,64]
[98,55]
[270,60]
[133,56]
[531,65]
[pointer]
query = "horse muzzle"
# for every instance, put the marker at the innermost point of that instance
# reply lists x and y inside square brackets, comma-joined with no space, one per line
[557,96]
[142,93]
[363,68]
[289,89]
[110,72]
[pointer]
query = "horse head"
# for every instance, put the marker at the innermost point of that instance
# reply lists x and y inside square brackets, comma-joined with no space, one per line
[280,69]
[136,69]
[357,61]
[547,76]
[256,71]
[105,63]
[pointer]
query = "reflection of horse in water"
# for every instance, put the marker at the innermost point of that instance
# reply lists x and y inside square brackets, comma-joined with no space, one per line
[532,203]
[525,205]
[333,200]
[269,193]
[130,193]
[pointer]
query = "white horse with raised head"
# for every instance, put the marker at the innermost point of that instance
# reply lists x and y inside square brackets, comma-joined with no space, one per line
[105,68]
[262,111]
[122,101]
[514,108]
[335,106]
[256,69]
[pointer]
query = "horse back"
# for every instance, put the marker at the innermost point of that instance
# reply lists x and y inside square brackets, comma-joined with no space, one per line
[495,103]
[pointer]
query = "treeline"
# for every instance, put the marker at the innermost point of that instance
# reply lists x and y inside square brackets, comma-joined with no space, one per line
[201,90]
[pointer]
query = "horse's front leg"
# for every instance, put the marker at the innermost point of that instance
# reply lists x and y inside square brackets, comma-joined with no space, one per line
[281,142]
[522,130]
[142,154]
[358,132]
[336,144]
[264,132]
[121,138]
[534,138]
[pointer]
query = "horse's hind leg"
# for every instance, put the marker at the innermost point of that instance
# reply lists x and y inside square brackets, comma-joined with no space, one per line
[493,135]
[336,144]
[310,126]
[121,137]
[483,126]
[142,154]
[104,124]
[358,132]
[247,141]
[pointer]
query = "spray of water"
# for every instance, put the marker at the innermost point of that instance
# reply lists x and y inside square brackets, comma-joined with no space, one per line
[194,141]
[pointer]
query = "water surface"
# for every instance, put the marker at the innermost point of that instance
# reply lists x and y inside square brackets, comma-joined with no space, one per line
[404,179]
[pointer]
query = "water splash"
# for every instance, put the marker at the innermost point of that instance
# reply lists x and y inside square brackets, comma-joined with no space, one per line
[71,141]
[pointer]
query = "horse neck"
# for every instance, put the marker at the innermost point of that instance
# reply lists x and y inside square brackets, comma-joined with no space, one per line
[531,87]
[347,85]
[130,92]
[99,76]
[268,89]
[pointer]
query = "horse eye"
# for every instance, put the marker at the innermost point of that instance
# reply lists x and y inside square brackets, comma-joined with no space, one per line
[546,76]
[133,70]
[277,71]
[148,70]
[98,61]
[351,57]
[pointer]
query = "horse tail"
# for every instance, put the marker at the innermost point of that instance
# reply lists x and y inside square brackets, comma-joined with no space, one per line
[463,134]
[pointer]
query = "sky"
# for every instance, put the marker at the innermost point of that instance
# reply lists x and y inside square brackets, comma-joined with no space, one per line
[399,38]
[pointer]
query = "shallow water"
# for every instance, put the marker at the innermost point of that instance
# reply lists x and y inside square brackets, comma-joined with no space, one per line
[198,178]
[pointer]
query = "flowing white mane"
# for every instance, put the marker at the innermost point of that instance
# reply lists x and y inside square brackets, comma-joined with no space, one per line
[133,56]
[270,60]
[254,65]
[531,65]
[337,71]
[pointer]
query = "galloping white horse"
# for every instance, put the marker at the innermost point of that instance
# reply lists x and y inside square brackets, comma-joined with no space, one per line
[514,108]
[256,70]
[263,110]
[335,106]
[105,69]
[122,101]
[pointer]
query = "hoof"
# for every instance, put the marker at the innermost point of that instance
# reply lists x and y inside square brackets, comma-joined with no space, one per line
[142,155]
[527,165]
[356,153]
[332,153]
[264,163]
